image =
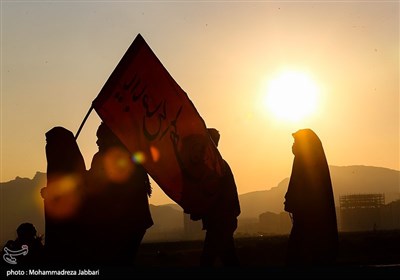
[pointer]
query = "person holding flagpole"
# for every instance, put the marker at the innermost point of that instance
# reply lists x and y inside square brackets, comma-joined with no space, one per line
[220,222]
[117,205]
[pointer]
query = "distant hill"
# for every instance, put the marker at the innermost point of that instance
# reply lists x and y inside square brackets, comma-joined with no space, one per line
[355,179]
[20,199]
[166,217]
[20,202]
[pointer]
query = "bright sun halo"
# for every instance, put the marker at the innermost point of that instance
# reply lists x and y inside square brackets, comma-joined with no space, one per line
[291,96]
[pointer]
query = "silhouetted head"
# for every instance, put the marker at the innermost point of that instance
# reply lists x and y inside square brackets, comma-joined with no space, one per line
[106,138]
[306,142]
[59,135]
[307,145]
[26,231]
[214,134]
[62,151]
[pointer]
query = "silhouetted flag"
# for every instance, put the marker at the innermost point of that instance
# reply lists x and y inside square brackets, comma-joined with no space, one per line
[155,119]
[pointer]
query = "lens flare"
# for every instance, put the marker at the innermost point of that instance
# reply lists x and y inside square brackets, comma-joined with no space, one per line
[62,197]
[155,153]
[118,165]
[138,157]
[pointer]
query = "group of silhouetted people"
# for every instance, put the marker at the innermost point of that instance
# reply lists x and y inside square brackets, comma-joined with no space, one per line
[97,216]
[100,216]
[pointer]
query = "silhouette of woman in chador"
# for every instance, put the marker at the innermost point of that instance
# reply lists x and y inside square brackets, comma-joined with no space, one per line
[117,206]
[63,196]
[313,239]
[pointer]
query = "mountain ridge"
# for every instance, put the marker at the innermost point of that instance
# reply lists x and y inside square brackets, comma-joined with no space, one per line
[21,200]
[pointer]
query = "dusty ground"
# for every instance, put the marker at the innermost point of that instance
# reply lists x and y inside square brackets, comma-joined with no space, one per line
[355,249]
[362,255]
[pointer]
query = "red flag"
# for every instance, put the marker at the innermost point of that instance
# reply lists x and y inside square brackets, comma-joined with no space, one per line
[144,106]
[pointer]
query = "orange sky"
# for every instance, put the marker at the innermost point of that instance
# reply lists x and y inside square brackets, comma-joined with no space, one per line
[56,56]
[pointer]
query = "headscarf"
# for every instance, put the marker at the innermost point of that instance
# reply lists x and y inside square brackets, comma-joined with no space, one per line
[310,187]
[62,152]
[65,174]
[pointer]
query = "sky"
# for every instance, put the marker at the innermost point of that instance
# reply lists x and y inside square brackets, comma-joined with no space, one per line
[57,55]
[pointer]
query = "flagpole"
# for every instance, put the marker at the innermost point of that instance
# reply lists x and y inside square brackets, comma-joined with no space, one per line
[83,122]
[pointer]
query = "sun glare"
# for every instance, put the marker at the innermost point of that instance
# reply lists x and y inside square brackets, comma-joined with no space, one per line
[291,96]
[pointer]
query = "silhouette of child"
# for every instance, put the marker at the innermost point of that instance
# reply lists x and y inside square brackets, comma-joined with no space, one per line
[26,249]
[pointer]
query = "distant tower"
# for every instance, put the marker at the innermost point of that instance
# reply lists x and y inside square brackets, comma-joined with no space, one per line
[360,212]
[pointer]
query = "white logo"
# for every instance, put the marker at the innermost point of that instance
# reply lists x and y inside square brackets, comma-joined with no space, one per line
[9,255]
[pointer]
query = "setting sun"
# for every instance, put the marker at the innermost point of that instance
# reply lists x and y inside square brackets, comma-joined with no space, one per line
[291,96]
